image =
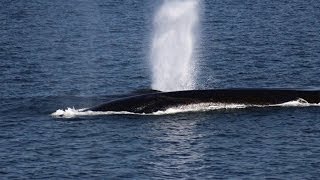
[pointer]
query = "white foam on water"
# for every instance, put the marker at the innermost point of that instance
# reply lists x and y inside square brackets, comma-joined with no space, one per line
[72,113]
[299,102]
[172,56]
[201,107]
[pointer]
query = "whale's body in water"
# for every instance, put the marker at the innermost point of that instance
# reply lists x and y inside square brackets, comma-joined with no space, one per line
[149,103]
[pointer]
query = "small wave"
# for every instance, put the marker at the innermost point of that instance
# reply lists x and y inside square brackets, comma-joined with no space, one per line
[72,112]
[201,107]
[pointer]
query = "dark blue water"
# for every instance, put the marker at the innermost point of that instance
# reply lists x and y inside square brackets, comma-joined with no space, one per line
[58,54]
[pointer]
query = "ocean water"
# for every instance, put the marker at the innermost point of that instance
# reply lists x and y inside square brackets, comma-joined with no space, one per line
[59,54]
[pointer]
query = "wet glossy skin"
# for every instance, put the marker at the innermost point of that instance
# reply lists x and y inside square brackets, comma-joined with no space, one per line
[149,103]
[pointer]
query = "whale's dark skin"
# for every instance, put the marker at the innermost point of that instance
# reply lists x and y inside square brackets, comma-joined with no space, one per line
[153,102]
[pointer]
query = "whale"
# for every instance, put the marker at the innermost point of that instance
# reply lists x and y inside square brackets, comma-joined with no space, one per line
[159,101]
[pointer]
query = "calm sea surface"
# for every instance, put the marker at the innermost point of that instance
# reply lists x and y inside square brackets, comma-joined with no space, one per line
[58,54]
